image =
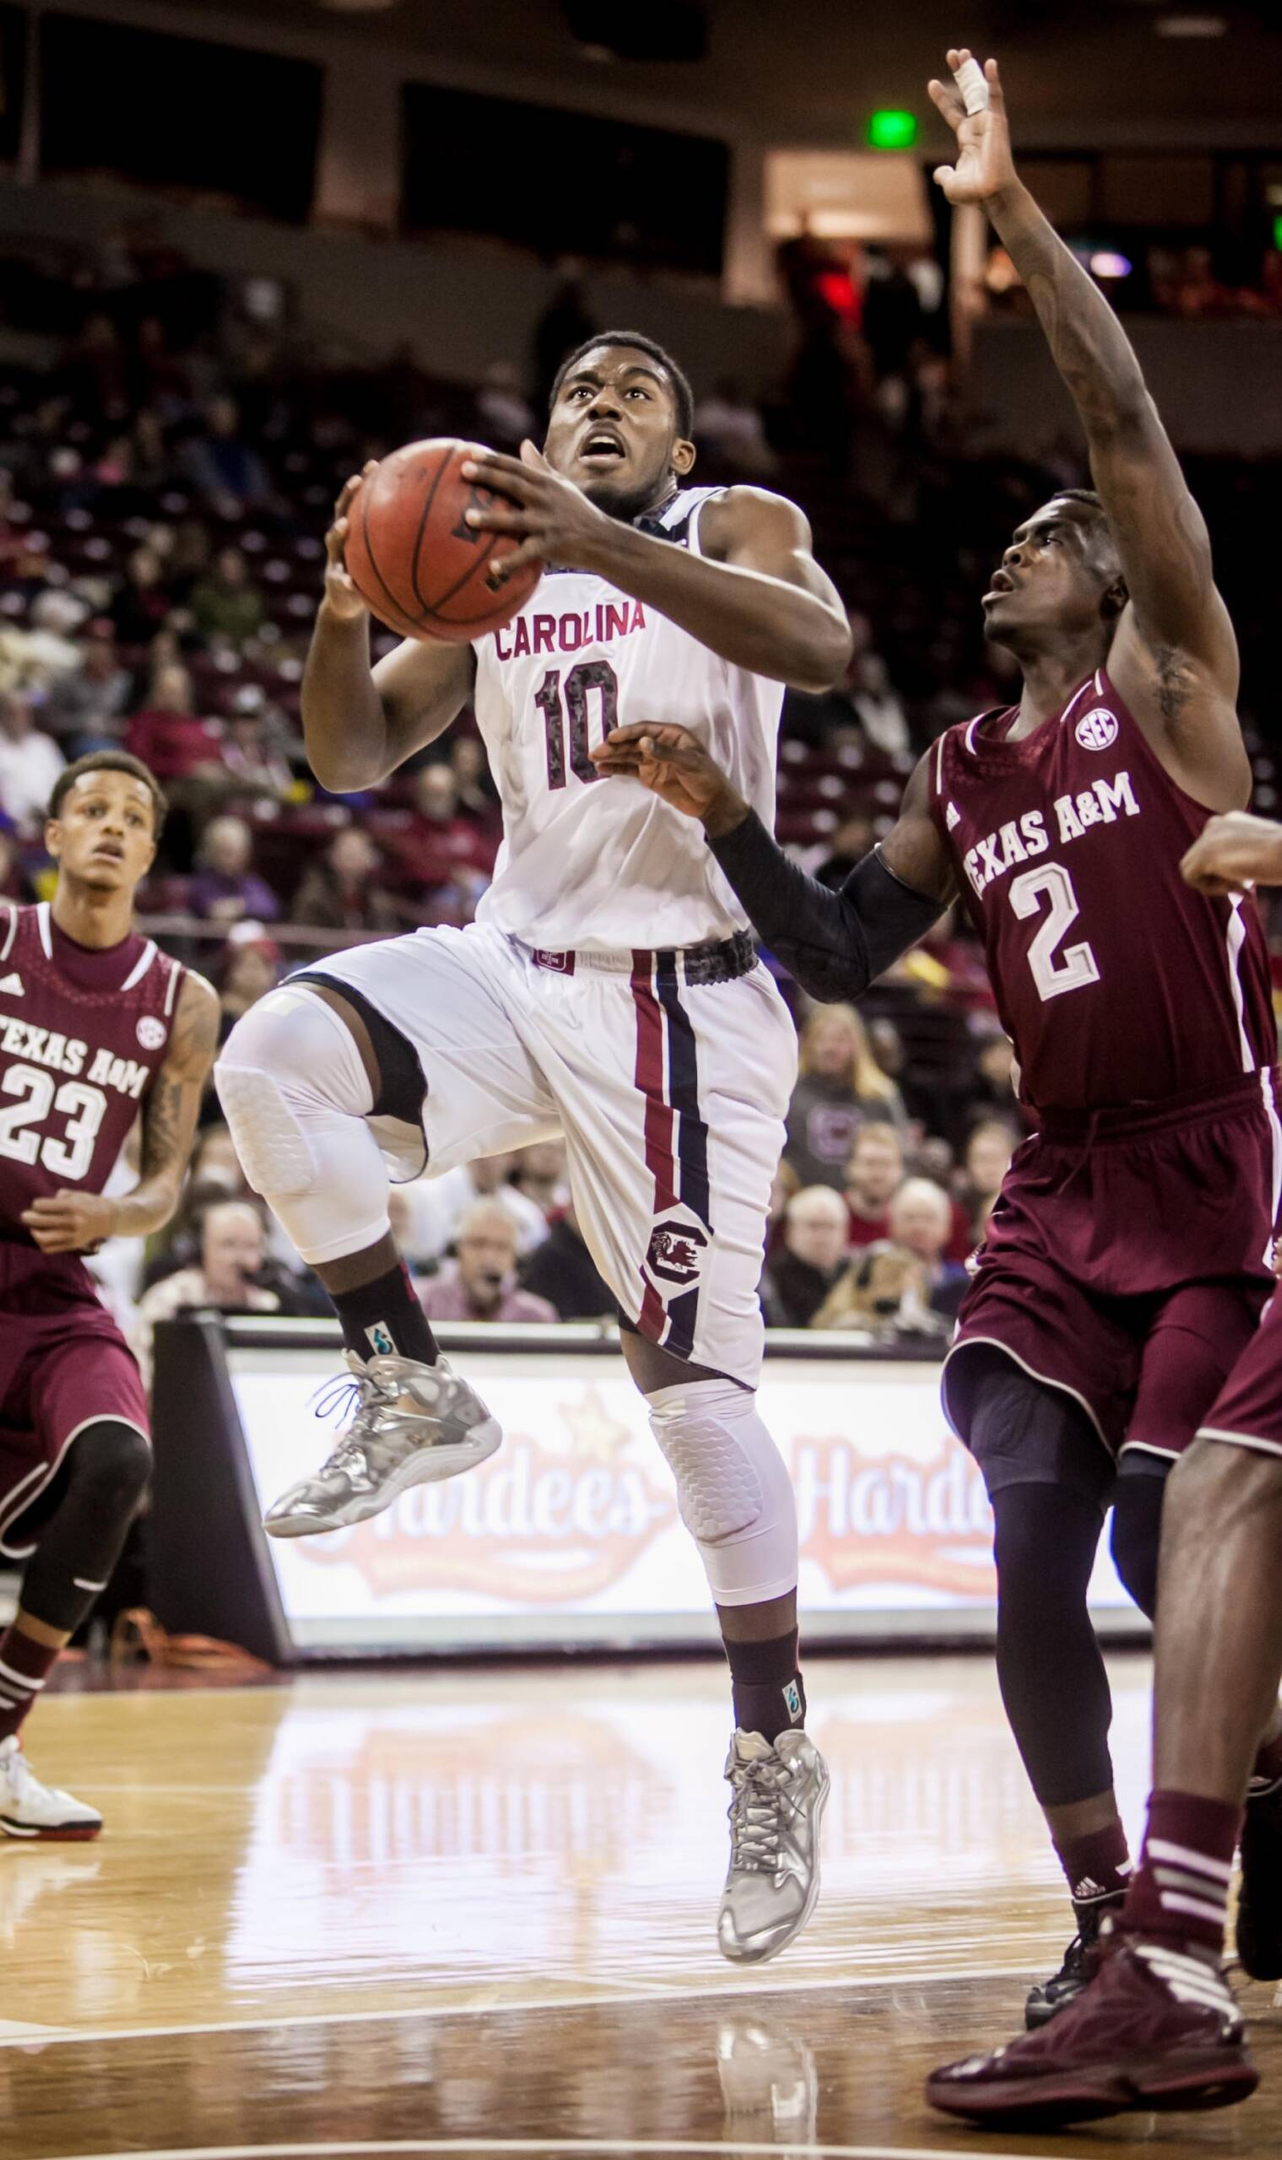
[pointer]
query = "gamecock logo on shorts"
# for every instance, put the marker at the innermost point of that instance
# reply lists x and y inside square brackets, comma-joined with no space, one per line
[151,1032]
[676,1251]
[1097,730]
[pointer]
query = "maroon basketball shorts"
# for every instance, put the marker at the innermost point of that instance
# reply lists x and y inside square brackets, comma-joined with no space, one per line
[1248,1410]
[1128,1260]
[63,1365]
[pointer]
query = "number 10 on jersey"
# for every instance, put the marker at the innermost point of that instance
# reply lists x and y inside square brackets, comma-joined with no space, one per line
[570,700]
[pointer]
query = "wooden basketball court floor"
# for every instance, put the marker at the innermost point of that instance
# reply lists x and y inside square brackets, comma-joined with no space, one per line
[472,1913]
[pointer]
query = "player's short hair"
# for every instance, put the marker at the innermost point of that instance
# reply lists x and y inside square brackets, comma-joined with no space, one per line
[111,761]
[1102,539]
[681,390]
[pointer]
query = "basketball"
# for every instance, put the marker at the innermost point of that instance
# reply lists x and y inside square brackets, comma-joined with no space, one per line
[414,559]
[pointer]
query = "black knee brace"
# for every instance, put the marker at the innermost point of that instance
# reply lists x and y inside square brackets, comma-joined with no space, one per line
[1137,1526]
[101,1483]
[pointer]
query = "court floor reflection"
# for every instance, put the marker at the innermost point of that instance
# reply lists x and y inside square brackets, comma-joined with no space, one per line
[357,1843]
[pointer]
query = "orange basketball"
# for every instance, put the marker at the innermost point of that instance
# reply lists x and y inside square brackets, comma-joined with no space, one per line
[414,559]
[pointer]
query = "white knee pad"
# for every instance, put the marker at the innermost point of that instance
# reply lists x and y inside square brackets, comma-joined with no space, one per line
[734,1493]
[296,1095]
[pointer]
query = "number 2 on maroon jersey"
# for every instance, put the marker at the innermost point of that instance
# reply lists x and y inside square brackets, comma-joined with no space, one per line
[1053,972]
[589,675]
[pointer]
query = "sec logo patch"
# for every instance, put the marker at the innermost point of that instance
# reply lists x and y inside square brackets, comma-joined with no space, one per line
[1097,730]
[151,1032]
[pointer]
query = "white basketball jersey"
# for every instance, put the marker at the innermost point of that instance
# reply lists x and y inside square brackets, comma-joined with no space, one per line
[594,864]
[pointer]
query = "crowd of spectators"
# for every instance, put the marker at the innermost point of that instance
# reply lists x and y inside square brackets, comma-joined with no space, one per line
[161,522]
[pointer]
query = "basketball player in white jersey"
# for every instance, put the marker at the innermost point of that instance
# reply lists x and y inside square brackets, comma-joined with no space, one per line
[608,990]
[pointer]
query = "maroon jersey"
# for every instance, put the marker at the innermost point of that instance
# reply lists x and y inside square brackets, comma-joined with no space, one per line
[82,1033]
[1116,982]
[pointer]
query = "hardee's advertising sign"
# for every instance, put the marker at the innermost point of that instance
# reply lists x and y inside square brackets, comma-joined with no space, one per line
[577,1512]
[561,1513]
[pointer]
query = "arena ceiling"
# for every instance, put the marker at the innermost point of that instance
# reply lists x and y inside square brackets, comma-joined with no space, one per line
[804,70]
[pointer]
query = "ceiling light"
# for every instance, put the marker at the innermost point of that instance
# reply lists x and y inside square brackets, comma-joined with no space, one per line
[1107,263]
[1190,26]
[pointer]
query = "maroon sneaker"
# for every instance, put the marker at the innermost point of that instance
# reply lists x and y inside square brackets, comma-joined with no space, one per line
[1155,2027]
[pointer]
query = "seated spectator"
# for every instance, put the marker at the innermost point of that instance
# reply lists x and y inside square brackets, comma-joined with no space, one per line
[985,1161]
[853,839]
[830,719]
[562,1271]
[226,888]
[730,426]
[538,1174]
[840,1087]
[14,882]
[253,765]
[812,1257]
[168,736]
[29,763]
[225,602]
[992,1095]
[881,1293]
[477,796]
[232,1275]
[873,1175]
[86,708]
[440,1203]
[880,710]
[343,890]
[921,1223]
[783,1186]
[246,969]
[221,465]
[481,1283]
[141,603]
[504,412]
[436,844]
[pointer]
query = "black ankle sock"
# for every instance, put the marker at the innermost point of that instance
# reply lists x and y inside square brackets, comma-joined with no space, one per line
[769,1696]
[385,1316]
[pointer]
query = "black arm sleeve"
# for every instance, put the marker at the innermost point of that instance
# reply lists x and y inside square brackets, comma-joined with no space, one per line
[834,943]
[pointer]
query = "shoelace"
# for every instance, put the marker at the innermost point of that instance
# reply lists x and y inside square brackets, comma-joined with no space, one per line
[756,1813]
[364,1394]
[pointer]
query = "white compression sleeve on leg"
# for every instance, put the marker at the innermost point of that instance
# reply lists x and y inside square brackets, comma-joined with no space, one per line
[735,1495]
[296,1095]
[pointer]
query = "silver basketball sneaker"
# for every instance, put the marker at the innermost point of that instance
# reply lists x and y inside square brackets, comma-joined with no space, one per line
[414,1424]
[777,1797]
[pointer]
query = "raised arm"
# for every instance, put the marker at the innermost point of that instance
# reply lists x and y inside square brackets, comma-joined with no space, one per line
[834,942]
[361,722]
[756,595]
[1174,657]
[72,1221]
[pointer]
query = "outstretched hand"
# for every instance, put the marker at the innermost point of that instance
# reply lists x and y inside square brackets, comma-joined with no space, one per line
[985,166]
[674,765]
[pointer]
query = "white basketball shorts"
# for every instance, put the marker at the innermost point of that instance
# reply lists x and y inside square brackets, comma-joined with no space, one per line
[671,1096]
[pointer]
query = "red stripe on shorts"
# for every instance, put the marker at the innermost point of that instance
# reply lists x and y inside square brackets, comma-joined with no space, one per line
[659,1120]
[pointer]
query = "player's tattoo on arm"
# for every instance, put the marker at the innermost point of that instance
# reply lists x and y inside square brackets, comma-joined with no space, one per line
[173,1104]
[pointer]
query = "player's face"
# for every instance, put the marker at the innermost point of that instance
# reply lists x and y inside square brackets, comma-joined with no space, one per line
[613,430]
[1053,577]
[104,833]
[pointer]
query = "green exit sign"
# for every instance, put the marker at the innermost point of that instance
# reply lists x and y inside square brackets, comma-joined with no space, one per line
[1277,231]
[890,130]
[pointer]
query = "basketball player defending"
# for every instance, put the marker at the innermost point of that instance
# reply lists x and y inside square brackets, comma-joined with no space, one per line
[668,1067]
[96,1028]
[1128,1259]
[1156,2025]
